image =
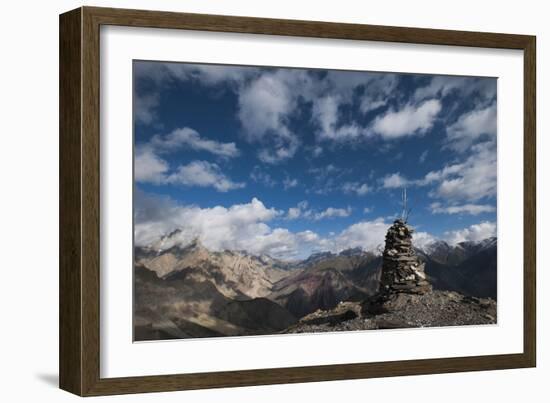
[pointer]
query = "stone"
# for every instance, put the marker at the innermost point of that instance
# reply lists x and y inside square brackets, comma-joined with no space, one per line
[402,269]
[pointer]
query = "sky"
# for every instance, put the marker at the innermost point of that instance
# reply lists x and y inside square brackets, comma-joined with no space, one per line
[289,162]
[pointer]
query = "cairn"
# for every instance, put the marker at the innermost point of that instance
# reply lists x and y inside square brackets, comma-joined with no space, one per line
[402,270]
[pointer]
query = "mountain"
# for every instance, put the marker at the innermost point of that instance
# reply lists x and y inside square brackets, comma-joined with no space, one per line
[468,267]
[235,274]
[326,279]
[186,290]
[182,306]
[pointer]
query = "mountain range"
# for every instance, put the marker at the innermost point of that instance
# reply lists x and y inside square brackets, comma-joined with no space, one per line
[187,291]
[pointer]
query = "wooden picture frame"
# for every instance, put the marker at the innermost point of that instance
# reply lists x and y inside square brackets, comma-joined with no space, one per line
[79,346]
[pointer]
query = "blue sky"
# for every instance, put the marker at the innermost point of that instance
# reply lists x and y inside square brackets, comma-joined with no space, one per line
[292,161]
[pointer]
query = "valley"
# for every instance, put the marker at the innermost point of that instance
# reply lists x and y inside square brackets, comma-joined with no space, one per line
[192,292]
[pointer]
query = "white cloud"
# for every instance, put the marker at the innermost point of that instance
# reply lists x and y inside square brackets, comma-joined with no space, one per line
[471,126]
[325,113]
[473,209]
[245,227]
[422,239]
[237,227]
[410,120]
[294,213]
[144,108]
[367,210]
[368,235]
[265,105]
[285,149]
[188,137]
[346,82]
[206,74]
[202,174]
[290,183]
[148,167]
[378,92]
[471,180]
[423,156]
[331,212]
[324,171]
[358,188]
[151,168]
[395,180]
[317,151]
[474,233]
[259,176]
[302,211]
[441,86]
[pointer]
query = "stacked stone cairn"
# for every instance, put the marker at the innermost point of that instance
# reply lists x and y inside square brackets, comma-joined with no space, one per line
[402,270]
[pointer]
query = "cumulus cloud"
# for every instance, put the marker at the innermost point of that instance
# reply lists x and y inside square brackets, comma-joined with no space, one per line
[148,167]
[302,210]
[187,137]
[260,176]
[473,179]
[422,239]
[472,209]
[333,212]
[410,120]
[265,105]
[290,183]
[369,91]
[471,126]
[325,113]
[247,227]
[358,188]
[294,213]
[144,108]
[241,226]
[202,174]
[368,235]
[442,86]
[378,91]
[474,233]
[395,180]
[238,227]
[270,98]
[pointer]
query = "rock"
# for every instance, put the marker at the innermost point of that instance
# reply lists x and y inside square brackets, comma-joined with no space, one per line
[402,270]
[405,298]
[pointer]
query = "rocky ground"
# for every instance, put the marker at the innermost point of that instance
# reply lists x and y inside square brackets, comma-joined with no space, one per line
[433,309]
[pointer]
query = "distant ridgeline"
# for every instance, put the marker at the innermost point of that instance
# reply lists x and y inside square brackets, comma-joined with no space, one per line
[188,291]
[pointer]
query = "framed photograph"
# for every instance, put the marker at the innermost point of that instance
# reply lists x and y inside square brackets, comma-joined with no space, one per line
[249,201]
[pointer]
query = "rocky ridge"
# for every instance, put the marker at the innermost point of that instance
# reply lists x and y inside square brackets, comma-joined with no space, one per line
[189,291]
[405,298]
